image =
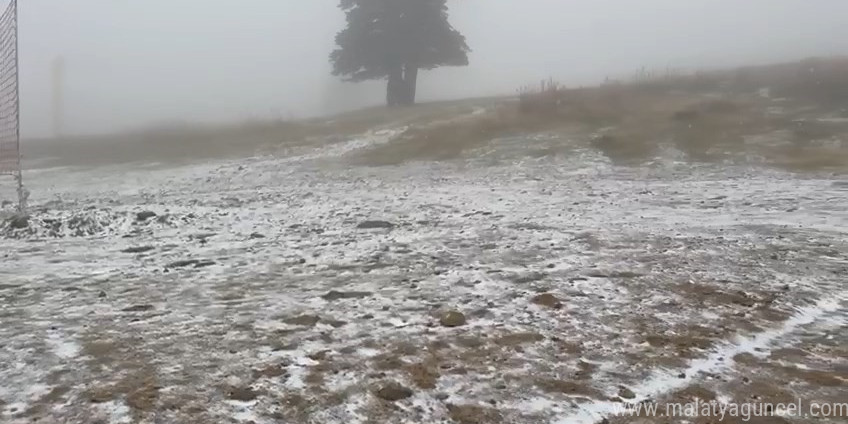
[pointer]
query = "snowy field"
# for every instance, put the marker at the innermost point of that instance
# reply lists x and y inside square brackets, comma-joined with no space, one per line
[495,288]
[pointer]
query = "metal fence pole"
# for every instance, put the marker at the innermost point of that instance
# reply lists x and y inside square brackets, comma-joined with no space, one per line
[22,194]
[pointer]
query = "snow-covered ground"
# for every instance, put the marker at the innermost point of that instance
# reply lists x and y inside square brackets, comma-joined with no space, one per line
[296,288]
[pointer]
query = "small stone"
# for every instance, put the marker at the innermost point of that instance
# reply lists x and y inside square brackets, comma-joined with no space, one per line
[370,225]
[278,346]
[100,395]
[393,392]
[318,356]
[144,216]
[336,323]
[337,295]
[271,371]
[681,375]
[242,394]
[625,393]
[547,300]
[303,320]
[138,308]
[138,249]
[19,222]
[183,263]
[102,294]
[452,319]
[257,236]
[204,264]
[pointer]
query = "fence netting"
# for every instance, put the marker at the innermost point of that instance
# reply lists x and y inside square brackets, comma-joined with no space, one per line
[9,102]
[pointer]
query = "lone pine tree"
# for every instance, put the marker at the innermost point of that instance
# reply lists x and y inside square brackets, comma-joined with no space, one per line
[392,40]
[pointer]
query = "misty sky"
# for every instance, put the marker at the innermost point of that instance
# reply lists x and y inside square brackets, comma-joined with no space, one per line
[132,63]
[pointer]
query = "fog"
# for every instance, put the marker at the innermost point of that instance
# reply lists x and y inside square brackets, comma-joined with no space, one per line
[133,63]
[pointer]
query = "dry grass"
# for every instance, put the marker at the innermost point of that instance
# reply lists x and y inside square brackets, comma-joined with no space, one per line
[447,140]
[708,116]
[198,142]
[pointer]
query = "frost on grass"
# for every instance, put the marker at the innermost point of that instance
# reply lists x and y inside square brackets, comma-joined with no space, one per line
[252,291]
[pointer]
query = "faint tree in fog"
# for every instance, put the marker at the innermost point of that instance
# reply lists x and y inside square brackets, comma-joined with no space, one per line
[393,39]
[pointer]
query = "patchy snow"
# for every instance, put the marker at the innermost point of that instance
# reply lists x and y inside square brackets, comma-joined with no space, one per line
[115,412]
[663,382]
[834,120]
[63,348]
[255,273]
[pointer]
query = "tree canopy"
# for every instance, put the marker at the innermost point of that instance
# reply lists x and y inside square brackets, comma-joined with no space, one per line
[393,39]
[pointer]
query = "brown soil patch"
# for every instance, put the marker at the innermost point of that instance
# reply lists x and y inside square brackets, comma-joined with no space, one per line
[646,359]
[295,408]
[270,371]
[690,394]
[435,346]
[571,388]
[305,320]
[100,349]
[179,401]
[684,345]
[319,355]
[789,353]
[317,373]
[547,300]
[144,398]
[100,394]
[472,414]
[242,394]
[471,342]
[405,348]
[386,362]
[703,293]
[814,377]
[139,386]
[746,358]
[762,390]
[55,396]
[771,314]
[625,393]
[586,370]
[393,391]
[424,375]
[515,339]
[315,378]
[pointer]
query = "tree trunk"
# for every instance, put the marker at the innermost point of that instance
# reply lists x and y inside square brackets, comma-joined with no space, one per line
[395,88]
[410,80]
